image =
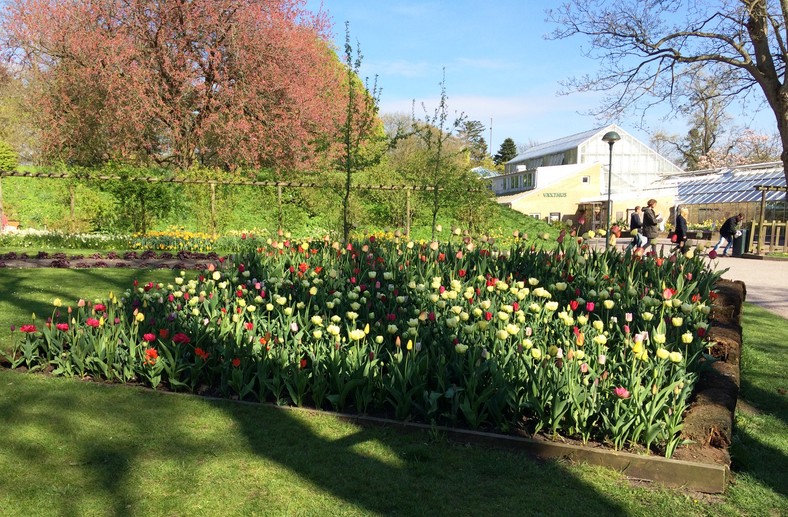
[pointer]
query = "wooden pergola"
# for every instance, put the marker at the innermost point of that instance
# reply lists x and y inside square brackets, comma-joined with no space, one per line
[763,189]
[213,183]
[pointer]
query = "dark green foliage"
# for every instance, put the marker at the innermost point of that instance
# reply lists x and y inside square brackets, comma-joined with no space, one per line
[507,152]
[138,203]
[8,157]
[472,134]
[113,206]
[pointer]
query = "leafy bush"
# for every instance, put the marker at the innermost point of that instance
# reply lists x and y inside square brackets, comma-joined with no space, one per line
[9,159]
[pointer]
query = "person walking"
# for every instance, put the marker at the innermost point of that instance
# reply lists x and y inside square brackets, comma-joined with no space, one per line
[728,232]
[635,221]
[680,234]
[651,222]
[635,227]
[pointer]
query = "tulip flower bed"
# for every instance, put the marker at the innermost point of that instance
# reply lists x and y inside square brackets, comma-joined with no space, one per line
[588,345]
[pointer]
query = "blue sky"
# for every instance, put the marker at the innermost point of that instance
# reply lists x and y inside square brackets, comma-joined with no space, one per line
[498,64]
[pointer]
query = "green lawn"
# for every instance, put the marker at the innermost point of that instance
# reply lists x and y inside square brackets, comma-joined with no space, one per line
[77,448]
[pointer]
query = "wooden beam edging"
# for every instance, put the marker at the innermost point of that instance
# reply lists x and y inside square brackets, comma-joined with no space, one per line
[709,478]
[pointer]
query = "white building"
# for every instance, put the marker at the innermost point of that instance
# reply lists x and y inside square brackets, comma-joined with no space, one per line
[561,179]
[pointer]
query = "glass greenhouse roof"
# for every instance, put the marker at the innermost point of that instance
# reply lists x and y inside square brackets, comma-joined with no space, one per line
[731,185]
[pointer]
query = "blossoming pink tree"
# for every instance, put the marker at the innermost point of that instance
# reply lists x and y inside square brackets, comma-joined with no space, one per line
[222,83]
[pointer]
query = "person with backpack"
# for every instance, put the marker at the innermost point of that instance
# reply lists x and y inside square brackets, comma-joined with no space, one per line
[728,232]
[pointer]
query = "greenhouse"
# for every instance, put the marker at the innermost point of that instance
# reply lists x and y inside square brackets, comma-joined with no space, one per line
[713,196]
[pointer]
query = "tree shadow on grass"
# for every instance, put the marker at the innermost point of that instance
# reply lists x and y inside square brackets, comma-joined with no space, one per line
[95,442]
[73,449]
[45,413]
[390,471]
[749,453]
[24,289]
[33,290]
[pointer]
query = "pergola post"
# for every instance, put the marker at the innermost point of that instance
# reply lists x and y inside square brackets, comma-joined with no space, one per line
[761,218]
[279,217]
[2,213]
[213,210]
[407,213]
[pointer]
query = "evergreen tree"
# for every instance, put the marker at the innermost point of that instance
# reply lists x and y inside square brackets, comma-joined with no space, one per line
[471,133]
[8,158]
[507,152]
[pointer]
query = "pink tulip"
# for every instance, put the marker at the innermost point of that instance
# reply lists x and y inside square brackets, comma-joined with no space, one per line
[621,392]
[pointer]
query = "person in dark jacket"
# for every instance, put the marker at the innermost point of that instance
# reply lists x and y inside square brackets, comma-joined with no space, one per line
[728,232]
[635,222]
[635,227]
[651,222]
[681,231]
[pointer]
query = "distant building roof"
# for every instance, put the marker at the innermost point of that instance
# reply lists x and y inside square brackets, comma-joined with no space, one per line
[484,173]
[556,146]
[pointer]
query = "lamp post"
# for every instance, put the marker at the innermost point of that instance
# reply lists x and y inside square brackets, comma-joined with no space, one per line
[611,137]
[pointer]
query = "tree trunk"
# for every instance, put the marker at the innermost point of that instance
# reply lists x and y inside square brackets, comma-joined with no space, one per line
[780,108]
[345,211]
[2,211]
[280,217]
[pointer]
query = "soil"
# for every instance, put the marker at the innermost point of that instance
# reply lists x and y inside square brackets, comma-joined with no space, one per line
[708,424]
[142,260]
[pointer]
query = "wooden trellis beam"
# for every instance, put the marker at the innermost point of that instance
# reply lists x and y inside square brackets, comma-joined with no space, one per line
[154,179]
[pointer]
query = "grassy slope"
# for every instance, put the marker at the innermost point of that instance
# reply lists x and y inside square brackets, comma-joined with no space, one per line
[71,448]
[42,203]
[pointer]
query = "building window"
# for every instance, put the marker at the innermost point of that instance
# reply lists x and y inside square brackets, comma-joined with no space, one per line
[536,215]
[586,179]
[555,217]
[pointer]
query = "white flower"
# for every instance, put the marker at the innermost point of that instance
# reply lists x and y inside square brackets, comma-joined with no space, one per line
[357,334]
